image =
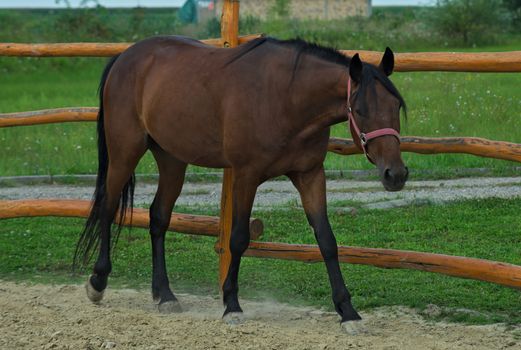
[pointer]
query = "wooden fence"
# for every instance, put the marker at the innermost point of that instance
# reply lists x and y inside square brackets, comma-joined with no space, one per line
[184,223]
[404,62]
[496,272]
[424,145]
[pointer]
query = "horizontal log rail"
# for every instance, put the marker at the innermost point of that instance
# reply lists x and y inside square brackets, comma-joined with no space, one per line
[506,62]
[47,116]
[434,145]
[472,268]
[85,49]
[184,223]
[424,145]
[404,62]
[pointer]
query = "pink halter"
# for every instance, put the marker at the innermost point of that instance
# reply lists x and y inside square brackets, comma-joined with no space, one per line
[365,137]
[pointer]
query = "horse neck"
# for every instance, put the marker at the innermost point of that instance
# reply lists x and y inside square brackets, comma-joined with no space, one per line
[319,89]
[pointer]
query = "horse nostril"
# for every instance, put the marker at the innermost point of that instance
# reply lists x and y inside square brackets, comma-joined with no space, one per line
[387,174]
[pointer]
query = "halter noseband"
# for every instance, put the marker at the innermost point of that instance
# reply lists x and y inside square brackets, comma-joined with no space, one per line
[365,137]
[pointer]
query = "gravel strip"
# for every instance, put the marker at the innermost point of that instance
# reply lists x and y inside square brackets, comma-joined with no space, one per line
[369,194]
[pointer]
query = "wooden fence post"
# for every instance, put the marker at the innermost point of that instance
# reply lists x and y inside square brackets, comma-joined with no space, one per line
[230,38]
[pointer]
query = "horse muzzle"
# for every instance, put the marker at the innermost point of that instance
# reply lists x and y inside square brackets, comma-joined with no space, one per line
[394,178]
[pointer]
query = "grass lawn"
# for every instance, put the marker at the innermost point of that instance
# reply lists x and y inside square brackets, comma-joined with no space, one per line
[440,104]
[40,250]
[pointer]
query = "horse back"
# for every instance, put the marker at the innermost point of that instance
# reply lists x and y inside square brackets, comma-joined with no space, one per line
[201,108]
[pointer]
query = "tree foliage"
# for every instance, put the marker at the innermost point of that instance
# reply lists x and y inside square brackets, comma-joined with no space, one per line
[471,21]
[514,9]
[279,8]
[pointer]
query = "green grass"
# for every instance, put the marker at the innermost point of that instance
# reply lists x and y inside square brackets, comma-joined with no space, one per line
[41,25]
[440,104]
[451,105]
[40,250]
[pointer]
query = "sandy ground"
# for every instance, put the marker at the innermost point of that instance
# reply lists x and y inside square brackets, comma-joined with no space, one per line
[61,317]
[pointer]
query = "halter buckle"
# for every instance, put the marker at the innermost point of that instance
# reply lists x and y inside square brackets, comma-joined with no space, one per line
[363,139]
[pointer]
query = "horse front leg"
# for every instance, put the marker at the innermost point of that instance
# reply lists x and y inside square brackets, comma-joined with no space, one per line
[244,189]
[312,188]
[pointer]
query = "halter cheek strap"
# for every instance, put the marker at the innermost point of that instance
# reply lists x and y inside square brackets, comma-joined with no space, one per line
[365,137]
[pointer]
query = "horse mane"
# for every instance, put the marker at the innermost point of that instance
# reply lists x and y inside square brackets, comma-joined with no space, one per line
[370,72]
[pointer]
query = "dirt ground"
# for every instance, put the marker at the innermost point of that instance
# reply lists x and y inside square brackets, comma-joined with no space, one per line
[61,317]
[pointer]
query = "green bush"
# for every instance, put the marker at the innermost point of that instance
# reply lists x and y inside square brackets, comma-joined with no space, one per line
[514,9]
[279,9]
[471,22]
[84,23]
[402,29]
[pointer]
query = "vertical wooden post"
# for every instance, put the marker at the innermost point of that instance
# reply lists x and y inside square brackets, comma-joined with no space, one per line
[230,23]
[225,228]
[230,37]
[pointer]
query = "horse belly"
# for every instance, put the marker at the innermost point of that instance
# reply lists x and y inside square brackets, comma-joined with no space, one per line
[188,138]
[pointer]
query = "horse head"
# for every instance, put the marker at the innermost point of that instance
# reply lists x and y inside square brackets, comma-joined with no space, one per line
[374,106]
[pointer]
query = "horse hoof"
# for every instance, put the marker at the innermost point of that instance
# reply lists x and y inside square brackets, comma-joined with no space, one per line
[353,327]
[169,307]
[92,293]
[233,318]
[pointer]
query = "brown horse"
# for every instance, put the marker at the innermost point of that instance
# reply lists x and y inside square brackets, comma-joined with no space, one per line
[263,109]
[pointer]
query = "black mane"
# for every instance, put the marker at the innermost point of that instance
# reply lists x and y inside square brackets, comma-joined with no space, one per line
[370,72]
[300,46]
[303,47]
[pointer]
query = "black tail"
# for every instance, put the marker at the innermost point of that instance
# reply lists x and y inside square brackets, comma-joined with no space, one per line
[89,239]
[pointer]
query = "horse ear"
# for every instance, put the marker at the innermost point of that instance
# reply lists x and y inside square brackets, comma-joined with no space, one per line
[355,69]
[387,63]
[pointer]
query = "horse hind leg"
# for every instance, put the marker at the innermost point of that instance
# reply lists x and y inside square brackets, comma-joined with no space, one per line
[171,178]
[123,159]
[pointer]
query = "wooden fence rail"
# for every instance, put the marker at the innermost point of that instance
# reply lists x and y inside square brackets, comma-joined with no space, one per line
[404,62]
[448,61]
[85,49]
[484,270]
[47,116]
[434,145]
[424,145]
[501,273]
[479,269]
[185,223]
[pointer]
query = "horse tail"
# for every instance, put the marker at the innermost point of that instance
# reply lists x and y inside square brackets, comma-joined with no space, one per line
[89,238]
